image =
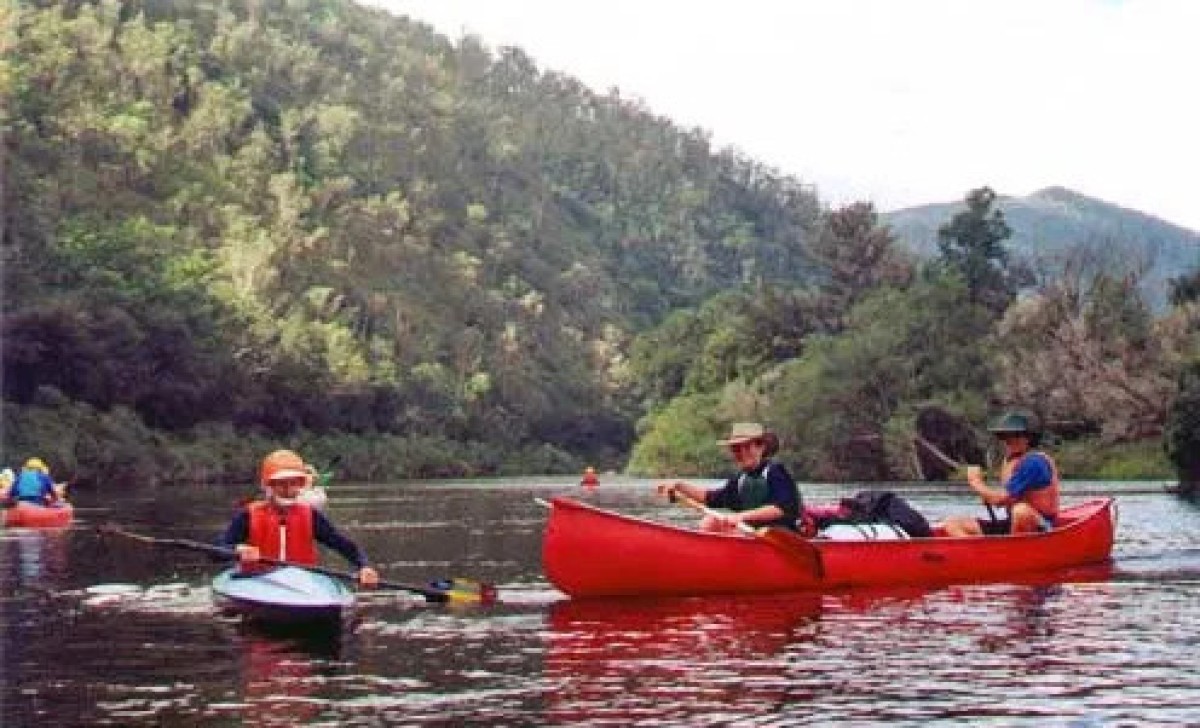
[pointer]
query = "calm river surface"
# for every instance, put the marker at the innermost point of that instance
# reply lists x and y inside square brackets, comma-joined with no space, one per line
[104,631]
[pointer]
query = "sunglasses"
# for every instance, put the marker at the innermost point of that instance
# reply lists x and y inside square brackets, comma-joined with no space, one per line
[745,445]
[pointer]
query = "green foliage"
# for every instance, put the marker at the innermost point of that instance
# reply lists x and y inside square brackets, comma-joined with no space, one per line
[283,218]
[81,443]
[1182,436]
[1093,459]
[857,255]
[93,448]
[229,226]
[681,440]
[900,348]
[971,245]
[734,336]
[1184,288]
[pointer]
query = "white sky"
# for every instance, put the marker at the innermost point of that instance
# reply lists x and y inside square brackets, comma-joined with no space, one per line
[900,102]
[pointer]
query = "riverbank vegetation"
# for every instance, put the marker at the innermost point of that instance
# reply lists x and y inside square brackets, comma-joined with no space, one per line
[229,226]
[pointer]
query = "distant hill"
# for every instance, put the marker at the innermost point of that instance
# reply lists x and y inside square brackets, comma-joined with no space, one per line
[1053,223]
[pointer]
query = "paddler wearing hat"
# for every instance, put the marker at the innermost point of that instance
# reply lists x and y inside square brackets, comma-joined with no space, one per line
[762,493]
[1029,483]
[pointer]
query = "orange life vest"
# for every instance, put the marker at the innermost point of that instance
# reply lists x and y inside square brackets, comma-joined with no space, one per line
[1043,500]
[283,534]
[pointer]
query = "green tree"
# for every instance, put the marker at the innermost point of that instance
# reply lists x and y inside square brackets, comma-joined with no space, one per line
[848,402]
[856,256]
[1185,288]
[1182,435]
[972,245]
[681,440]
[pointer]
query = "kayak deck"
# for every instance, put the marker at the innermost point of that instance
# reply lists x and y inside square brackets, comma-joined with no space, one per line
[284,595]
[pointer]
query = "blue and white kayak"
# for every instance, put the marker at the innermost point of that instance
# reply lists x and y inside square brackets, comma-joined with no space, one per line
[284,595]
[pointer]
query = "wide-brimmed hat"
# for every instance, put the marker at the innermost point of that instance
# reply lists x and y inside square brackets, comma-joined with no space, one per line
[1015,423]
[744,432]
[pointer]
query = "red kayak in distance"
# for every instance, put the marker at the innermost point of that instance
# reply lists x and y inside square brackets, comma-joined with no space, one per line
[591,552]
[31,515]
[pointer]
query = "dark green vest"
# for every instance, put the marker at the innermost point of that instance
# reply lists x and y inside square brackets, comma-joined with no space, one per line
[753,490]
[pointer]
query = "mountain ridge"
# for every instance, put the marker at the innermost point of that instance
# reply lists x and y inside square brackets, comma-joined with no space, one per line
[1056,223]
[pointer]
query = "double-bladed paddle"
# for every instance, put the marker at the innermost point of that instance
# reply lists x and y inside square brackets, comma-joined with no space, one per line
[797,549]
[446,590]
[325,476]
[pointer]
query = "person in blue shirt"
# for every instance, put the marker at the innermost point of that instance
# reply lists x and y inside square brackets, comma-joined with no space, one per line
[33,484]
[1029,483]
[762,493]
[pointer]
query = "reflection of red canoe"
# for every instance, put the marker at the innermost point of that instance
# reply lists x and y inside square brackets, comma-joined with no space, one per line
[589,552]
[612,659]
[668,626]
[32,515]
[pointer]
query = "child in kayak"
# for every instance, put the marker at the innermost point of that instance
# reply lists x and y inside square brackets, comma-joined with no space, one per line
[282,528]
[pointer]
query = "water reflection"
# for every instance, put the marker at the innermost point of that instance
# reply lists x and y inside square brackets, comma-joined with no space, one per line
[282,671]
[1009,652]
[619,661]
[38,557]
[905,653]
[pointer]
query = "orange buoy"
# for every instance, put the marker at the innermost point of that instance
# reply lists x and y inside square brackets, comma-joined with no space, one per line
[590,480]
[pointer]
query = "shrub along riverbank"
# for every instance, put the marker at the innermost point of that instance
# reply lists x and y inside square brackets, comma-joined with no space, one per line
[88,446]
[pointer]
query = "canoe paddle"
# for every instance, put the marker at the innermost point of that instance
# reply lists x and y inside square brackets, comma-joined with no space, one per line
[440,592]
[795,547]
[937,452]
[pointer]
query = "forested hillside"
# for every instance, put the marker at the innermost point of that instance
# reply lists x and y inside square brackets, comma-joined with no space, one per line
[288,220]
[1056,225]
[894,351]
[230,226]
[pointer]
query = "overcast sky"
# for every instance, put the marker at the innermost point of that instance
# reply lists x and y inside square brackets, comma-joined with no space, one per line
[900,102]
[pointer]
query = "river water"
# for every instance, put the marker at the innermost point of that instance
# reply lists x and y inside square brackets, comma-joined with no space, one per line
[99,630]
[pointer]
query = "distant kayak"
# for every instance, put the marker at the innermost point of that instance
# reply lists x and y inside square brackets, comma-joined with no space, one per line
[285,595]
[32,515]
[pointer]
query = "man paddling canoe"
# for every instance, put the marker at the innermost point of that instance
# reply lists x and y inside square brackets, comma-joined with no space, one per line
[763,493]
[1028,479]
[285,529]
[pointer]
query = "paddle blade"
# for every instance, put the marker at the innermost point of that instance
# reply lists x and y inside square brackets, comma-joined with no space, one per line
[799,550]
[463,590]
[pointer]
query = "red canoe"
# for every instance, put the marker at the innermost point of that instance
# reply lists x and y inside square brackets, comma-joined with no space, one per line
[590,552]
[31,515]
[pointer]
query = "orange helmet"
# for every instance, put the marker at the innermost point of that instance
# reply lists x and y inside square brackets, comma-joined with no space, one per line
[280,465]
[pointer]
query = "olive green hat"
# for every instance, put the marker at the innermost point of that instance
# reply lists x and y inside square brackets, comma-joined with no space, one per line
[1017,422]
